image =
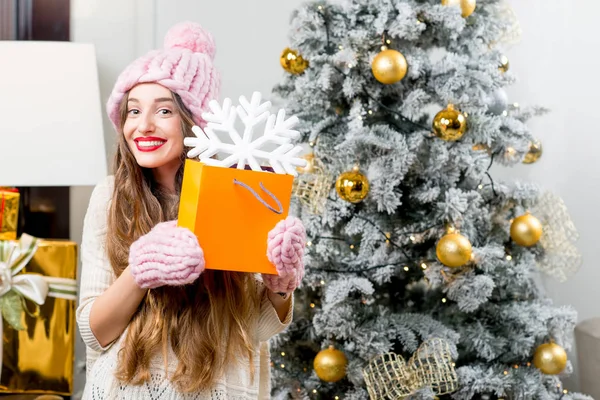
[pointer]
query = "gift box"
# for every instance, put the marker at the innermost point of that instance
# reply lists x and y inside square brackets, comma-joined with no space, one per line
[9,213]
[37,300]
[241,187]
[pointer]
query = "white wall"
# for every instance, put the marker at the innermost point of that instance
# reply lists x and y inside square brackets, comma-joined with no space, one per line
[556,63]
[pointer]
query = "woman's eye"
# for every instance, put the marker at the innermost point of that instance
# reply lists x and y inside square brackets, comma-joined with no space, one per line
[133,112]
[164,111]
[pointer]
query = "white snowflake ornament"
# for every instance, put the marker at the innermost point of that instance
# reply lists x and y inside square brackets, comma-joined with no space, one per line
[245,148]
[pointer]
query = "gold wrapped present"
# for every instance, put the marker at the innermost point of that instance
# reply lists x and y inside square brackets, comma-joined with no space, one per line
[9,213]
[37,301]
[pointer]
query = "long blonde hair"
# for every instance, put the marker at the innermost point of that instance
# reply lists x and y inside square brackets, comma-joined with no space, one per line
[208,324]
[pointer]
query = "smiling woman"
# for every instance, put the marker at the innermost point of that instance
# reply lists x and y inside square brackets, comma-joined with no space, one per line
[152,319]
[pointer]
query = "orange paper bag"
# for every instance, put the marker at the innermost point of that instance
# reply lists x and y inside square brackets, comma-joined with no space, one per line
[231,211]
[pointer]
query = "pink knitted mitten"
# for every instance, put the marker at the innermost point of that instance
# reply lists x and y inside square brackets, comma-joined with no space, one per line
[167,255]
[285,249]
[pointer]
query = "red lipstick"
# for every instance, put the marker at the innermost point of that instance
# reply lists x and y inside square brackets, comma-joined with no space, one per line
[149,143]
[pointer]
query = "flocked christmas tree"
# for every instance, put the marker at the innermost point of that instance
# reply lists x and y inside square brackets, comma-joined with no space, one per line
[421,268]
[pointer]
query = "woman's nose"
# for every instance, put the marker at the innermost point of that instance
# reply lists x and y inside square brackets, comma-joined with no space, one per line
[146,123]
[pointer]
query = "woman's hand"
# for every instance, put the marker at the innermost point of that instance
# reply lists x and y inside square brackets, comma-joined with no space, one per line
[168,255]
[285,249]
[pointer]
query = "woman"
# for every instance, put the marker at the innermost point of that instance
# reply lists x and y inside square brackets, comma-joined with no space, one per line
[156,324]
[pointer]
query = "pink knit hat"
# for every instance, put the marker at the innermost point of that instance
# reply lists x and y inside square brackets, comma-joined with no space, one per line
[185,66]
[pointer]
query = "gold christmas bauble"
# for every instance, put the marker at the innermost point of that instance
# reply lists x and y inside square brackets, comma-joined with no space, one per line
[526,230]
[389,66]
[310,164]
[292,61]
[550,358]
[467,6]
[330,364]
[352,186]
[534,153]
[504,64]
[454,250]
[449,124]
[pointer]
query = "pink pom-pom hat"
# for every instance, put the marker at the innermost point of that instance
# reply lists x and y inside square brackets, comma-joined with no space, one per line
[184,66]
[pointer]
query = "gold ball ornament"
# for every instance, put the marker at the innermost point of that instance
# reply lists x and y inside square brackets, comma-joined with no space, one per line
[466,6]
[504,64]
[454,250]
[526,230]
[352,186]
[534,153]
[389,66]
[550,358]
[449,124]
[330,364]
[292,61]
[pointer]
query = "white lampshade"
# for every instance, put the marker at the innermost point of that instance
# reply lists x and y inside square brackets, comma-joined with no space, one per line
[50,115]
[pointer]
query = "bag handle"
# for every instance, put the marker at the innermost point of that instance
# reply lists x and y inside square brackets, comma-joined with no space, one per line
[242,184]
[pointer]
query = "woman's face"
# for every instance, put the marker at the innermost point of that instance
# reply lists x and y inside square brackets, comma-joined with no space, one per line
[152,128]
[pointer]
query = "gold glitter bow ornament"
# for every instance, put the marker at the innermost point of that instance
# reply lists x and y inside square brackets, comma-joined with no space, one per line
[560,259]
[389,376]
[312,187]
[512,33]
[506,20]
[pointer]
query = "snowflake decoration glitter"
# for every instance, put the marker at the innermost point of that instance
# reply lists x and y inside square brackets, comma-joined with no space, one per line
[247,149]
[312,188]
[561,258]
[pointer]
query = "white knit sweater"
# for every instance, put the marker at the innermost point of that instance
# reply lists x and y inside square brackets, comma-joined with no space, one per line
[101,384]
